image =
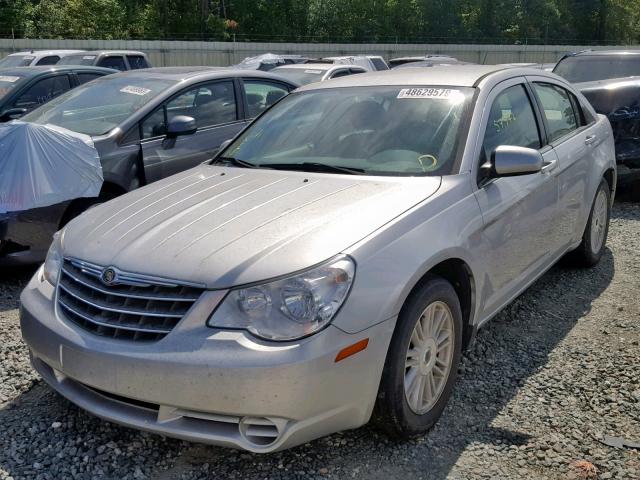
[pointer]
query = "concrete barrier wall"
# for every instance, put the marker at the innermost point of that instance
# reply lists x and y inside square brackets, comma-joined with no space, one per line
[175,53]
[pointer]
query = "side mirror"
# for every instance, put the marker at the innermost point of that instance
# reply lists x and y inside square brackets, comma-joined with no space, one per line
[511,161]
[181,125]
[13,113]
[225,144]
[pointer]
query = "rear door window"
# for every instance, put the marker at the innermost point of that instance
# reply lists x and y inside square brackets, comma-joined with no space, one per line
[115,62]
[340,73]
[379,64]
[261,95]
[557,109]
[137,61]
[43,91]
[84,77]
[49,60]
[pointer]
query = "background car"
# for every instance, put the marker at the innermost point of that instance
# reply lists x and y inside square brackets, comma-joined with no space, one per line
[268,61]
[317,72]
[146,125]
[363,61]
[331,264]
[610,80]
[117,59]
[35,57]
[437,59]
[22,89]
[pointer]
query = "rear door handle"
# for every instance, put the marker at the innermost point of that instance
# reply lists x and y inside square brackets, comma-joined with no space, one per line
[590,139]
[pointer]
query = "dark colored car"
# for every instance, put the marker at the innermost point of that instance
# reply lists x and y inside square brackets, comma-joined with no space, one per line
[145,125]
[22,89]
[610,80]
[117,59]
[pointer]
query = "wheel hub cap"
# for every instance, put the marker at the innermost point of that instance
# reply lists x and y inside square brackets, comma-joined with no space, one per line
[599,221]
[429,357]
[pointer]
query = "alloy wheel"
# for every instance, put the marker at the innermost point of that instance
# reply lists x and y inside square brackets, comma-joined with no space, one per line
[429,357]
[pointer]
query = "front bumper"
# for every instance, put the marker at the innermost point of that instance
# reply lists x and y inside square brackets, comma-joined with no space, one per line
[207,385]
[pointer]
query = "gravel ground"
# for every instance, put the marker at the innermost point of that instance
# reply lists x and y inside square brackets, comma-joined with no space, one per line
[545,381]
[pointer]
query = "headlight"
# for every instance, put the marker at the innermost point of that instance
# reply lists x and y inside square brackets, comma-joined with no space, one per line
[289,308]
[53,262]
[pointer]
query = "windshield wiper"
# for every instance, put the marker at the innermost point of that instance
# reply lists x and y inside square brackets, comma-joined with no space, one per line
[236,162]
[314,167]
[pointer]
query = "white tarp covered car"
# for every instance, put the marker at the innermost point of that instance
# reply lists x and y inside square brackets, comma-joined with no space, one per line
[42,165]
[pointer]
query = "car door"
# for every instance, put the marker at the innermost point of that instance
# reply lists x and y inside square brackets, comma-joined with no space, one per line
[574,139]
[214,107]
[518,212]
[41,91]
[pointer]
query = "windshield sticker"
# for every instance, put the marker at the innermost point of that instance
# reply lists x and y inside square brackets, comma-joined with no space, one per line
[28,57]
[88,57]
[445,93]
[4,78]
[317,72]
[135,90]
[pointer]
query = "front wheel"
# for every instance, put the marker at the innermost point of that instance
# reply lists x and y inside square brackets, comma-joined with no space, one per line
[595,234]
[422,361]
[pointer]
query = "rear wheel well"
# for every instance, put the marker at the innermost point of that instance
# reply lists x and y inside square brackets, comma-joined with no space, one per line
[459,275]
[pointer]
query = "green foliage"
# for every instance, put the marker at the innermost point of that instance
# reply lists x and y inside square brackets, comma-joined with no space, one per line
[496,21]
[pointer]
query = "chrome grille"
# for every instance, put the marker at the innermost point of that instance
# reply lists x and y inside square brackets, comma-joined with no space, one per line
[134,307]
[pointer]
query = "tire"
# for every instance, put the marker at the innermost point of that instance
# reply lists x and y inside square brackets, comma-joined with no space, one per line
[398,409]
[594,238]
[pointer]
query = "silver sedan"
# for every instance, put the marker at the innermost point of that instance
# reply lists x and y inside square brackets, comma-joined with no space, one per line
[337,257]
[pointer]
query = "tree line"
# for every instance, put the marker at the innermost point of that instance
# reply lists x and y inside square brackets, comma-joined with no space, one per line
[388,21]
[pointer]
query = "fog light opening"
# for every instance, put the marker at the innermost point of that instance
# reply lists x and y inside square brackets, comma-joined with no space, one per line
[259,431]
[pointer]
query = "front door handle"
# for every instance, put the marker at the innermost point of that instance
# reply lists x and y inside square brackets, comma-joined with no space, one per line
[549,166]
[590,139]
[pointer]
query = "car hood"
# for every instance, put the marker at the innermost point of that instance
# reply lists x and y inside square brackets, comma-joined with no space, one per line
[225,226]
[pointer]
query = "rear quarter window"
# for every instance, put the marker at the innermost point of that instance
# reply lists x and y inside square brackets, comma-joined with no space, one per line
[116,63]
[137,61]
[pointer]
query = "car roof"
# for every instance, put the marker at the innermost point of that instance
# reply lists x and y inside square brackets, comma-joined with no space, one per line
[446,76]
[422,57]
[604,52]
[42,69]
[43,52]
[318,66]
[111,52]
[185,73]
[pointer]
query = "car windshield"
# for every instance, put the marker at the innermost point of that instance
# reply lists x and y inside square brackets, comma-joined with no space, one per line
[98,107]
[8,83]
[80,59]
[589,68]
[387,130]
[16,61]
[301,76]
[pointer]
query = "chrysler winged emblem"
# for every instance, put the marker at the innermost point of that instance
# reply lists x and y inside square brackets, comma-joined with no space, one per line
[108,276]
